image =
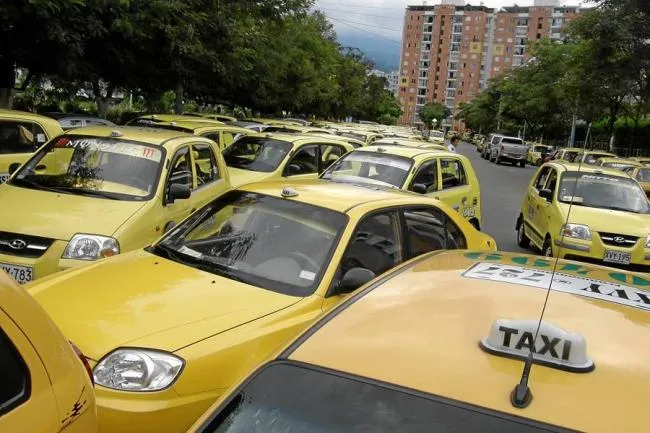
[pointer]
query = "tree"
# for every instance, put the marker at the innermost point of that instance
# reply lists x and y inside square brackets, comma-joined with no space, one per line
[434,110]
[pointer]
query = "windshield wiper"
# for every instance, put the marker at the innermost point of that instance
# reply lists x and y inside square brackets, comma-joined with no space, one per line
[35,185]
[86,192]
[618,208]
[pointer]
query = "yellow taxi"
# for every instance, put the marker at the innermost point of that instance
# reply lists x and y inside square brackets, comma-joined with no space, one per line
[642,159]
[275,156]
[46,382]
[270,122]
[220,117]
[568,154]
[21,134]
[168,329]
[411,143]
[298,129]
[437,137]
[617,163]
[592,156]
[537,153]
[223,135]
[368,137]
[445,176]
[96,192]
[641,175]
[581,212]
[149,119]
[460,342]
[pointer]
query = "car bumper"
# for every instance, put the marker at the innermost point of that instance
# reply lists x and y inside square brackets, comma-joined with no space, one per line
[594,252]
[48,263]
[511,157]
[149,412]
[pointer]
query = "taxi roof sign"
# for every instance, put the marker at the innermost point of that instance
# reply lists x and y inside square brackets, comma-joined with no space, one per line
[553,347]
[289,192]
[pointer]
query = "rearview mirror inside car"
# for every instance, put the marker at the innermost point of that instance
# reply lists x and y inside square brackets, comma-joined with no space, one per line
[546,194]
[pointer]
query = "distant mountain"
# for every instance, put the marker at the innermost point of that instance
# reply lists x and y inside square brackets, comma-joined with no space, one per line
[384,53]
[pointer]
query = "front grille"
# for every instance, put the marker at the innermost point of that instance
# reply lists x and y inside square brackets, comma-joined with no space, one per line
[17,244]
[618,240]
[631,267]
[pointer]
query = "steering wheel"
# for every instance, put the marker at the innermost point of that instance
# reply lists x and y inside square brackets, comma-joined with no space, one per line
[139,183]
[305,258]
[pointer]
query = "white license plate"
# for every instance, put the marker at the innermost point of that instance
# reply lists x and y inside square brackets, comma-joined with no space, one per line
[22,274]
[4,177]
[617,257]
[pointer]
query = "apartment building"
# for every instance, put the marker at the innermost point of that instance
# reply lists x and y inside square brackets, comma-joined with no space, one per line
[451,50]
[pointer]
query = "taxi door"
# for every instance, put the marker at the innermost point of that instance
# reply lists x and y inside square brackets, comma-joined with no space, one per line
[180,172]
[208,182]
[303,163]
[454,187]
[27,400]
[545,210]
[534,205]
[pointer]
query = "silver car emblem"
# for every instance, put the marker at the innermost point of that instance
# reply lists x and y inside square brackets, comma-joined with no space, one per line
[619,239]
[17,244]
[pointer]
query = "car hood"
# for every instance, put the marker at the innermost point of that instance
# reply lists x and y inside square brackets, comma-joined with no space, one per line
[610,221]
[60,216]
[239,177]
[139,299]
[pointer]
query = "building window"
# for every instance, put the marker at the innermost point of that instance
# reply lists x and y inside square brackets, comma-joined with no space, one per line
[497,69]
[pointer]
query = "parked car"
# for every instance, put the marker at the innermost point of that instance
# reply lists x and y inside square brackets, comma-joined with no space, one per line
[509,149]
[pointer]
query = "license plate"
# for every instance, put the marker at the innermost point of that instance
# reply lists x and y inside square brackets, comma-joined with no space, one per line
[22,274]
[4,177]
[617,257]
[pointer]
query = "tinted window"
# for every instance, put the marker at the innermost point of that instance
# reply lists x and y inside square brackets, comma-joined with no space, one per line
[375,245]
[214,136]
[257,154]
[643,175]
[591,158]
[287,398]
[19,137]
[541,178]
[272,243]
[14,388]
[329,153]
[512,140]
[453,173]
[430,230]
[551,183]
[205,164]
[427,175]
[306,160]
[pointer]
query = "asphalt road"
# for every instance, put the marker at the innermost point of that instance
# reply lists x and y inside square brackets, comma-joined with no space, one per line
[502,190]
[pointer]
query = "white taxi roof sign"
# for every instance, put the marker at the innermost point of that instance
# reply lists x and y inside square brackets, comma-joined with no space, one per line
[289,192]
[554,347]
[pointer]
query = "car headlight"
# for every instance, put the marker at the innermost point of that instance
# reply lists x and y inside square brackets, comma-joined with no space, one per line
[90,247]
[576,231]
[138,370]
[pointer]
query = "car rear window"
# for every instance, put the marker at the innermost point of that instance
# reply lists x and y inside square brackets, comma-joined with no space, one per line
[288,397]
[509,140]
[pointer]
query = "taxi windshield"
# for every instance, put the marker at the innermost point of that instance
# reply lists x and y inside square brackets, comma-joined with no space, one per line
[268,242]
[370,167]
[618,165]
[592,158]
[102,167]
[287,397]
[603,191]
[643,175]
[437,134]
[257,154]
[541,149]
[571,155]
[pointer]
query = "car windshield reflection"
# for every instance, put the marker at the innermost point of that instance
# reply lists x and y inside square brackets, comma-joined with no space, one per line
[257,154]
[370,167]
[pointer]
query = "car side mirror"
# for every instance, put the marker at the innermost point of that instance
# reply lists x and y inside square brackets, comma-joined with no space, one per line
[420,188]
[178,191]
[13,167]
[292,170]
[546,194]
[353,279]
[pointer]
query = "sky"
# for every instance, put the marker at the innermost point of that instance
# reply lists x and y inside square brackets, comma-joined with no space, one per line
[384,17]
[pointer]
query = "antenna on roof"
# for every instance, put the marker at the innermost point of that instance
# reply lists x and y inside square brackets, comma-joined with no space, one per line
[521,395]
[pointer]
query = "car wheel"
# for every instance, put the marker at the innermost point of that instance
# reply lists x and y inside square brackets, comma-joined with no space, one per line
[522,164]
[547,249]
[522,239]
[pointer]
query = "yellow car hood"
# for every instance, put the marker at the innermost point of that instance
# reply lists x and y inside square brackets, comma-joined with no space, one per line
[60,216]
[139,299]
[610,221]
[239,177]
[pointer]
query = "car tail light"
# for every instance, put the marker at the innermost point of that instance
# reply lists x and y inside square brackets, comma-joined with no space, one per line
[84,361]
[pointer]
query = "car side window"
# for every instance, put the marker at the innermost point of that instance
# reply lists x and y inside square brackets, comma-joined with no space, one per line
[430,229]
[228,139]
[19,137]
[181,169]
[540,181]
[306,159]
[205,164]
[15,376]
[328,154]
[551,183]
[427,175]
[375,244]
[453,173]
[214,136]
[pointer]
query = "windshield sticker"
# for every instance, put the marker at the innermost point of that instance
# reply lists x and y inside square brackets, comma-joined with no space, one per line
[573,199]
[561,282]
[111,146]
[190,252]
[306,275]
[594,177]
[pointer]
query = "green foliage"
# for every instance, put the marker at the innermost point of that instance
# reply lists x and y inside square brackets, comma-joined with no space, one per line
[434,110]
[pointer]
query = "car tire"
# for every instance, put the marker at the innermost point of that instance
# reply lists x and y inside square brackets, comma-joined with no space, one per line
[522,164]
[547,248]
[522,240]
